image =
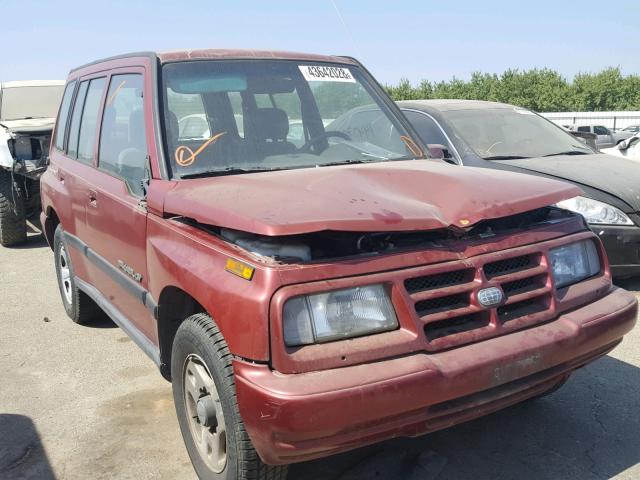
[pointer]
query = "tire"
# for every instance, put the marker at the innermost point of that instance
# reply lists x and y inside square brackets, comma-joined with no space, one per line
[79,307]
[13,226]
[200,357]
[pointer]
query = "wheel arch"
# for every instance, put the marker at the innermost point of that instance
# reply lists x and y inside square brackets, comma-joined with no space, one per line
[174,306]
[51,222]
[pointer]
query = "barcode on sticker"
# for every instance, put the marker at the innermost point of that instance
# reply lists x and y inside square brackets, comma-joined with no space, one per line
[322,73]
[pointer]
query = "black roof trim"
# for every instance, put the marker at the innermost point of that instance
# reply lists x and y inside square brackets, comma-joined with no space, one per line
[151,55]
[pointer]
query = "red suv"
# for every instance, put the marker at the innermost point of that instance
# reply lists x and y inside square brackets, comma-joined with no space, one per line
[307,288]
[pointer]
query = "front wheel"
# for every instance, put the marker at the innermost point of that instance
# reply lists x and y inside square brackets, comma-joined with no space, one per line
[205,400]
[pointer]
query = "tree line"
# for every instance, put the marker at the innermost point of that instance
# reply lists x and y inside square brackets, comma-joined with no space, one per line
[542,90]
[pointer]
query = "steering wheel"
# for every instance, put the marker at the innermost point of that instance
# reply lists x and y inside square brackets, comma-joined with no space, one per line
[329,133]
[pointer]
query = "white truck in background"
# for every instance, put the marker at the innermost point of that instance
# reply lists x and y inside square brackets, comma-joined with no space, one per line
[27,116]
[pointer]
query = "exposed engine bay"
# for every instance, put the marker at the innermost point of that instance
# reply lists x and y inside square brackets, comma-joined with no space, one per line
[335,244]
[28,151]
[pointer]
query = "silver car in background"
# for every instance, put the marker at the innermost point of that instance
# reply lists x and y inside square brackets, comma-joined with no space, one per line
[606,138]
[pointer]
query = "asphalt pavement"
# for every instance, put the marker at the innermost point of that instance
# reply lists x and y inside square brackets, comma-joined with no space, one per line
[80,402]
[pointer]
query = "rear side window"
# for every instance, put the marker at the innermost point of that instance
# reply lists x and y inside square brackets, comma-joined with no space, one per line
[123,142]
[74,128]
[61,124]
[89,122]
[584,129]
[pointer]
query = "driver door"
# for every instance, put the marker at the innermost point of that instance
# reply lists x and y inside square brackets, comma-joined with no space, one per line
[116,214]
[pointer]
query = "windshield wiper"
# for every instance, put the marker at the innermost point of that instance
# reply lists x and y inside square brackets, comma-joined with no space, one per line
[375,159]
[568,152]
[343,162]
[225,171]
[505,157]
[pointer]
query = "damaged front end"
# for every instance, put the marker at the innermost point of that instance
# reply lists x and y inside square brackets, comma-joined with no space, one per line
[25,151]
[332,245]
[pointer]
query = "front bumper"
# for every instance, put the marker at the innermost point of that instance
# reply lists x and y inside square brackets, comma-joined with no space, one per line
[623,248]
[297,417]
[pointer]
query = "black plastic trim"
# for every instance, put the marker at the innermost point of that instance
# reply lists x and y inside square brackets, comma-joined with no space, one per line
[128,284]
[123,322]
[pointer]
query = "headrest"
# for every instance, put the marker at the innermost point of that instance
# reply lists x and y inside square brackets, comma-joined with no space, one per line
[109,120]
[270,123]
[136,128]
[173,128]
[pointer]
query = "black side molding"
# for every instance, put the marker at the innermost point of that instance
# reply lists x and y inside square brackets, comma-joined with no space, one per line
[128,284]
[123,322]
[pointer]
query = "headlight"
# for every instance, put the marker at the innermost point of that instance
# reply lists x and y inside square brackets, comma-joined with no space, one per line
[338,314]
[596,212]
[574,262]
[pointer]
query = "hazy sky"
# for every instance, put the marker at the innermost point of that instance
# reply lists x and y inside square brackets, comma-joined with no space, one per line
[394,39]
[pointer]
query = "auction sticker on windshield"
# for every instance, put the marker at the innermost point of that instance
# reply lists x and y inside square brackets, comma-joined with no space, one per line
[323,73]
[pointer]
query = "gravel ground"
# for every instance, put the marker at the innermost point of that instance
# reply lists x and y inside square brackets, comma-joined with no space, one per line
[84,402]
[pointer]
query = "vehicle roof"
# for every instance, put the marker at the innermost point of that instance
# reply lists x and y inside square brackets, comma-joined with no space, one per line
[178,55]
[220,54]
[446,104]
[31,83]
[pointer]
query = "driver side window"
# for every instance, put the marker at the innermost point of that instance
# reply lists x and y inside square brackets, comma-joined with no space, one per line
[123,143]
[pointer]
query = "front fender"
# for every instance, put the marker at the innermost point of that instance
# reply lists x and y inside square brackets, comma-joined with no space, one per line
[182,256]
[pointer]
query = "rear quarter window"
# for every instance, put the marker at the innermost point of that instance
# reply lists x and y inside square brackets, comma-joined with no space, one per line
[89,122]
[74,128]
[63,116]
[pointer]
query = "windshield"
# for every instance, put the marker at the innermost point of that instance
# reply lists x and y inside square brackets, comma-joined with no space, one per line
[235,116]
[30,102]
[504,133]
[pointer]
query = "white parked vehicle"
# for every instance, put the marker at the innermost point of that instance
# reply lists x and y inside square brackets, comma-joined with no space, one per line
[27,116]
[629,148]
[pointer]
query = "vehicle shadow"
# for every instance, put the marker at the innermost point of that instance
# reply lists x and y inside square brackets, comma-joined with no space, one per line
[587,430]
[632,284]
[101,321]
[22,455]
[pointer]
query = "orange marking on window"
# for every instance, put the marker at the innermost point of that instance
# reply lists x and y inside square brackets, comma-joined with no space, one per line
[113,96]
[411,145]
[183,150]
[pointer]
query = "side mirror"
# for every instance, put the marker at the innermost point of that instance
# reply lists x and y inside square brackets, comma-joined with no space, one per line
[437,150]
[623,145]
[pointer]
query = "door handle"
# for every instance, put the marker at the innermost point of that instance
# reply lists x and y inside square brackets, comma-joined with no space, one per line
[93,198]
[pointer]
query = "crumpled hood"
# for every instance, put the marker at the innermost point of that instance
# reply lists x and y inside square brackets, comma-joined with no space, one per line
[29,125]
[386,196]
[616,176]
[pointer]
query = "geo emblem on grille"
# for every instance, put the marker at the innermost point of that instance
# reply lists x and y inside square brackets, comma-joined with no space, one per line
[489,297]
